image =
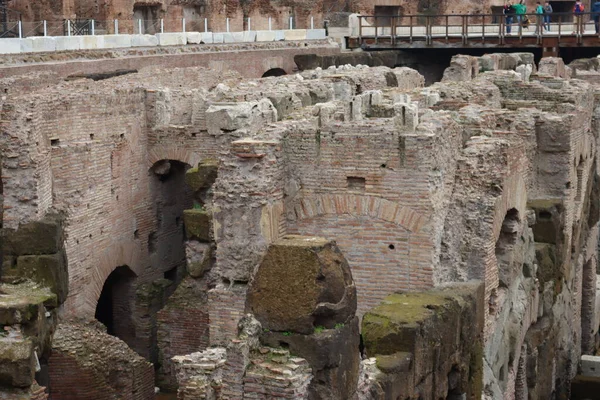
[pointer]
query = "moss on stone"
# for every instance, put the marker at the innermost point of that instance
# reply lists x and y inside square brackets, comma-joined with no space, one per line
[394,363]
[21,303]
[202,176]
[48,270]
[197,224]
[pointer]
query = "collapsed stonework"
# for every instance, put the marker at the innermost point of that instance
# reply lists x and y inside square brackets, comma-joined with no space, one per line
[197,223]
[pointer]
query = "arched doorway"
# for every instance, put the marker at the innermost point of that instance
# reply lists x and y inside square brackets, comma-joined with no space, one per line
[166,240]
[274,72]
[505,245]
[114,308]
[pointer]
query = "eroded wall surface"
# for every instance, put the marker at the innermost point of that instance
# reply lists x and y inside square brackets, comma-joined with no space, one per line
[489,175]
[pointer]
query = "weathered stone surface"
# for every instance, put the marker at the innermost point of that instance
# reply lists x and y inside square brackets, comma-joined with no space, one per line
[197,224]
[202,176]
[408,332]
[38,237]
[24,303]
[199,258]
[17,362]
[302,282]
[331,353]
[48,270]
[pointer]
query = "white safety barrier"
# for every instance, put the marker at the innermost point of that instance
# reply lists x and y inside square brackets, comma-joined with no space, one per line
[36,44]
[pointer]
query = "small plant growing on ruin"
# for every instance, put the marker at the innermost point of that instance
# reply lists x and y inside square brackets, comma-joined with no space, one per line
[319,329]
[287,333]
[339,325]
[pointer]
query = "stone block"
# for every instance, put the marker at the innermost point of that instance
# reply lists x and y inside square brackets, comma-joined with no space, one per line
[436,323]
[68,43]
[590,366]
[265,36]
[194,38]
[144,40]
[294,34]
[38,44]
[46,270]
[92,42]
[249,36]
[233,37]
[302,282]
[37,237]
[117,41]
[313,34]
[331,353]
[197,224]
[217,37]
[172,39]
[10,46]
[207,37]
[202,176]
[279,35]
[24,303]
[17,363]
[199,258]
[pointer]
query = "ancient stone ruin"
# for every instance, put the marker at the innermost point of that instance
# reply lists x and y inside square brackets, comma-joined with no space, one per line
[339,233]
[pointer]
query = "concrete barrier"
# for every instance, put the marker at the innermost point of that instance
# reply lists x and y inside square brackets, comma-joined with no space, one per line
[249,36]
[116,41]
[68,42]
[590,366]
[207,37]
[144,41]
[10,46]
[233,37]
[37,44]
[194,37]
[217,38]
[279,35]
[294,34]
[171,39]
[92,42]
[265,36]
[312,34]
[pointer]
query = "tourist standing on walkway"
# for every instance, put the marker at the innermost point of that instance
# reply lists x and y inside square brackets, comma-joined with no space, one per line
[520,10]
[509,13]
[596,16]
[547,15]
[578,10]
[539,15]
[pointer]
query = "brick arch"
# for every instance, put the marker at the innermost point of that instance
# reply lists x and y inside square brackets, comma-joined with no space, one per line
[359,205]
[121,253]
[177,153]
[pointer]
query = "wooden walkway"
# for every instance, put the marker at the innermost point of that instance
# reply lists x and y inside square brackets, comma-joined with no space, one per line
[472,30]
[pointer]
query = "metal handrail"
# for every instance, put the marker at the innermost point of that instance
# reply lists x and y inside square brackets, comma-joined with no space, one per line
[469,23]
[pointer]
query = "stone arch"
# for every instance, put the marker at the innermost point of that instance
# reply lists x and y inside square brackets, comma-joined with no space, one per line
[177,153]
[121,253]
[359,205]
[274,72]
[114,308]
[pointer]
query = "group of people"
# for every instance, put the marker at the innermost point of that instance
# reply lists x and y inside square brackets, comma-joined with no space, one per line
[518,13]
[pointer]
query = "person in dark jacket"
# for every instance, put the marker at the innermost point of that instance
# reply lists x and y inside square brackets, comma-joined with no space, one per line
[547,15]
[596,15]
[509,13]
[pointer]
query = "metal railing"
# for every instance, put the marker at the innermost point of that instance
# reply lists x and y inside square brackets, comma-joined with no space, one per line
[480,27]
[15,27]
[9,22]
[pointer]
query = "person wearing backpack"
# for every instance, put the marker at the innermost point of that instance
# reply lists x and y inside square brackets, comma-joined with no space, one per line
[578,10]
[596,16]
[547,14]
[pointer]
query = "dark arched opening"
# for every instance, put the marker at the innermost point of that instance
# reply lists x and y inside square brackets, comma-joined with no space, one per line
[504,246]
[274,72]
[166,241]
[114,305]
